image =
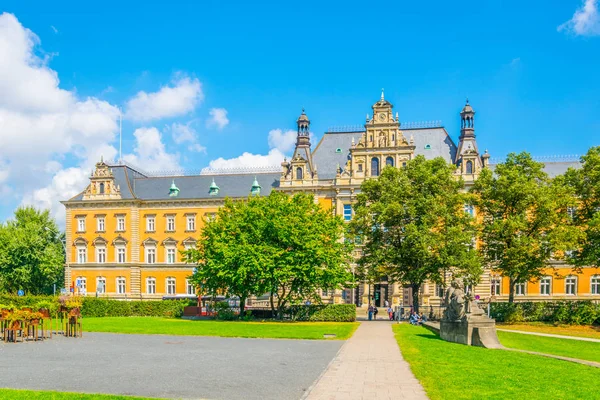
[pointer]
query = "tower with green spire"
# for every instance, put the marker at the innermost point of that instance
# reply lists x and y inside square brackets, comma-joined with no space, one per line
[213,190]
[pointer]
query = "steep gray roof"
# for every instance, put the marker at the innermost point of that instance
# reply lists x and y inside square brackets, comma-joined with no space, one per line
[554,168]
[137,185]
[326,158]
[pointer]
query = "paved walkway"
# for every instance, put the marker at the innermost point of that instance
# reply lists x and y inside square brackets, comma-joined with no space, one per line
[369,366]
[585,339]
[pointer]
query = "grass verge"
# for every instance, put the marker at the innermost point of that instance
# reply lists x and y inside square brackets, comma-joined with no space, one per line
[454,371]
[14,394]
[561,347]
[567,330]
[170,326]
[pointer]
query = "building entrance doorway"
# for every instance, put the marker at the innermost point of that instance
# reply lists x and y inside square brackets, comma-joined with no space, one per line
[380,295]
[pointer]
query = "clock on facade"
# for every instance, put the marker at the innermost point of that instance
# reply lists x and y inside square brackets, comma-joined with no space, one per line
[382,117]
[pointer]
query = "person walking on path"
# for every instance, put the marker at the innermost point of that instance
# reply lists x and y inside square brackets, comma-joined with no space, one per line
[370,309]
[390,313]
[375,311]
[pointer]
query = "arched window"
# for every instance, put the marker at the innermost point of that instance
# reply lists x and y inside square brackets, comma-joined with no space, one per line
[389,161]
[469,167]
[374,166]
[299,173]
[101,188]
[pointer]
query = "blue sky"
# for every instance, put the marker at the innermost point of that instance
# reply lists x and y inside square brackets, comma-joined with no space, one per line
[531,75]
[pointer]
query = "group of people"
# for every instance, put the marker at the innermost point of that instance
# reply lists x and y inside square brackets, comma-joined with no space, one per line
[417,319]
[373,310]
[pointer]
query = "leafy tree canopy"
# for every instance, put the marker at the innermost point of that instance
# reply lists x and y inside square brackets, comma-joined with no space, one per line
[31,255]
[414,227]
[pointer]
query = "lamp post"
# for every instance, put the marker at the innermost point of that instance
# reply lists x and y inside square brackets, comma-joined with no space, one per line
[64,244]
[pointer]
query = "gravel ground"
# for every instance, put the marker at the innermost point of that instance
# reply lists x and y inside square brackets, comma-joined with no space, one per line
[167,366]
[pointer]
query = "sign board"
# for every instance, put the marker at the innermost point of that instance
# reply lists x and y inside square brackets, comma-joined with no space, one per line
[21,292]
[72,290]
[63,291]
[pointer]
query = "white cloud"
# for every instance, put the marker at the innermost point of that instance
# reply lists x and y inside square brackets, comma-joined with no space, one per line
[283,141]
[184,133]
[218,118]
[150,153]
[53,29]
[585,21]
[170,101]
[40,123]
[249,160]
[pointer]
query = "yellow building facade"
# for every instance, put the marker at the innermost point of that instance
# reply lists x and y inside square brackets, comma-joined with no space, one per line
[126,231]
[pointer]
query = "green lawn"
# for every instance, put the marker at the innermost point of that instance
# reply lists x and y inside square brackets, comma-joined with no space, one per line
[12,394]
[455,371]
[562,347]
[170,326]
[590,331]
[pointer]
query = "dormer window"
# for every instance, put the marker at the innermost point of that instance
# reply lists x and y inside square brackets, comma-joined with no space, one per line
[469,167]
[101,188]
[338,150]
[299,173]
[427,147]
[213,190]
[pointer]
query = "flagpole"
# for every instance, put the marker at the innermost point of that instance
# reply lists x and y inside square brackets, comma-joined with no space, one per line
[120,137]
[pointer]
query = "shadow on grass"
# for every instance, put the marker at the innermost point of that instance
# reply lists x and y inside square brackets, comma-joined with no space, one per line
[429,336]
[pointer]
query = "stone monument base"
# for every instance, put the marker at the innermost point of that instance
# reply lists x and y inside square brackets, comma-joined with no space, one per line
[472,331]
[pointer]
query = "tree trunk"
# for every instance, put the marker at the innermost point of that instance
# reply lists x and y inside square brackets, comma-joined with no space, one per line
[415,295]
[272,305]
[511,290]
[242,306]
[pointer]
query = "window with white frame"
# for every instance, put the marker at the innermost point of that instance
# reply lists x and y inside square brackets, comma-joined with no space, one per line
[100,225]
[100,285]
[171,253]
[121,223]
[150,223]
[469,209]
[595,284]
[81,283]
[100,254]
[170,285]
[81,254]
[347,212]
[546,286]
[571,285]
[211,216]
[121,283]
[496,286]
[150,254]
[191,223]
[121,251]
[170,223]
[151,285]
[189,287]
[520,289]
[80,224]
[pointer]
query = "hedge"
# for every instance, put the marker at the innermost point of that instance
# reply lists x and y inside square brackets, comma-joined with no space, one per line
[313,312]
[578,312]
[335,313]
[99,307]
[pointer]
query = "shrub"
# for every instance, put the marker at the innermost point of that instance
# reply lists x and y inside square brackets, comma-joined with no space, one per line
[335,313]
[560,312]
[223,311]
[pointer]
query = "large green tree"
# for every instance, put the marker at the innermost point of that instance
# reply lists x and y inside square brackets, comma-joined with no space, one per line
[414,227]
[283,245]
[586,211]
[524,218]
[31,254]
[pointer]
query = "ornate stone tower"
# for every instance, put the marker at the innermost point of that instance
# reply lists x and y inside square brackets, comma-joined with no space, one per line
[102,184]
[301,168]
[468,159]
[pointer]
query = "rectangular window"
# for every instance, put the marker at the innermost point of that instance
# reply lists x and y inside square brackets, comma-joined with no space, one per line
[150,224]
[170,223]
[571,285]
[170,285]
[496,283]
[81,224]
[211,216]
[595,285]
[190,288]
[150,255]
[571,212]
[347,212]
[191,223]
[81,284]
[81,255]
[545,285]
[151,285]
[101,255]
[121,224]
[100,285]
[121,285]
[469,209]
[121,254]
[100,224]
[520,289]
[171,255]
